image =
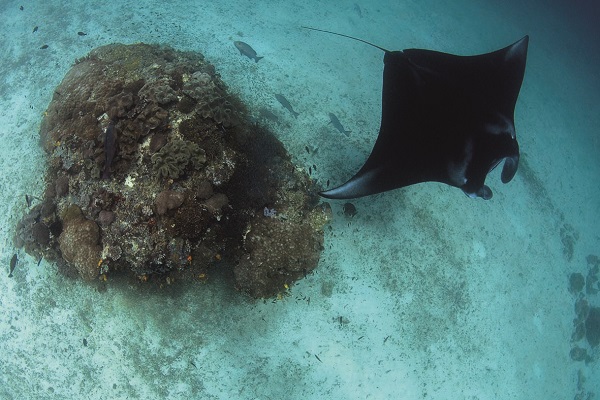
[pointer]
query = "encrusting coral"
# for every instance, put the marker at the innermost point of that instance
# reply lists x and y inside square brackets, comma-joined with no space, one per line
[79,243]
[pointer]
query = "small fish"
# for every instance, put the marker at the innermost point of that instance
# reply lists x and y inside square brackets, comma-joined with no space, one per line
[349,210]
[286,104]
[318,358]
[246,50]
[81,33]
[357,10]
[337,124]
[44,47]
[28,200]
[110,148]
[13,264]
[21,8]
[35,29]
[85,342]
[268,114]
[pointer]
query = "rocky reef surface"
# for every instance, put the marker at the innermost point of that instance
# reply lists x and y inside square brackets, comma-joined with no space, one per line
[156,173]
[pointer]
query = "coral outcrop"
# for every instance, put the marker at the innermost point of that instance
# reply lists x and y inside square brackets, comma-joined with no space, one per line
[156,173]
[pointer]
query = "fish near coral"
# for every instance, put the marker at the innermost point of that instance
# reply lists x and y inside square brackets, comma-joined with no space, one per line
[110,148]
[13,265]
[286,104]
[246,50]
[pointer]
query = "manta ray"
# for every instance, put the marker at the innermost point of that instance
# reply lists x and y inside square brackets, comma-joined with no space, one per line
[445,118]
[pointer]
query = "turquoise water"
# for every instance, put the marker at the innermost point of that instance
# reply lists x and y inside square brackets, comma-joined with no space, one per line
[424,294]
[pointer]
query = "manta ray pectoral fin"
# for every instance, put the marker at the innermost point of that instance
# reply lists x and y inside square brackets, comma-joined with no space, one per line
[338,193]
[359,185]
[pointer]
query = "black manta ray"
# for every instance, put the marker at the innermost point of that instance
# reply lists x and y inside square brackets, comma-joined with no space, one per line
[445,118]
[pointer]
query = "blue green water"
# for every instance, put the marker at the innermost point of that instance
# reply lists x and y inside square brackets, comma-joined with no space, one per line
[424,294]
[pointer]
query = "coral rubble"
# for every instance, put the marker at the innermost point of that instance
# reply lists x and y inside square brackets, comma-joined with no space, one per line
[190,177]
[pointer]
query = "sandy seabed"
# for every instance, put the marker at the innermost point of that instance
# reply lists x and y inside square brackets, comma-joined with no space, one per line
[423,294]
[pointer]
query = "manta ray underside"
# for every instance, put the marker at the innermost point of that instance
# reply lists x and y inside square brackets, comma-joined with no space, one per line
[445,118]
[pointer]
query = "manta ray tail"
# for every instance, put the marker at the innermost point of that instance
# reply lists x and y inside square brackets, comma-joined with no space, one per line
[347,36]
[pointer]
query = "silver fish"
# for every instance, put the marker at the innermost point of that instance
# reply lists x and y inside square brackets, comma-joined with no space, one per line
[337,124]
[246,50]
[13,264]
[268,114]
[285,103]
